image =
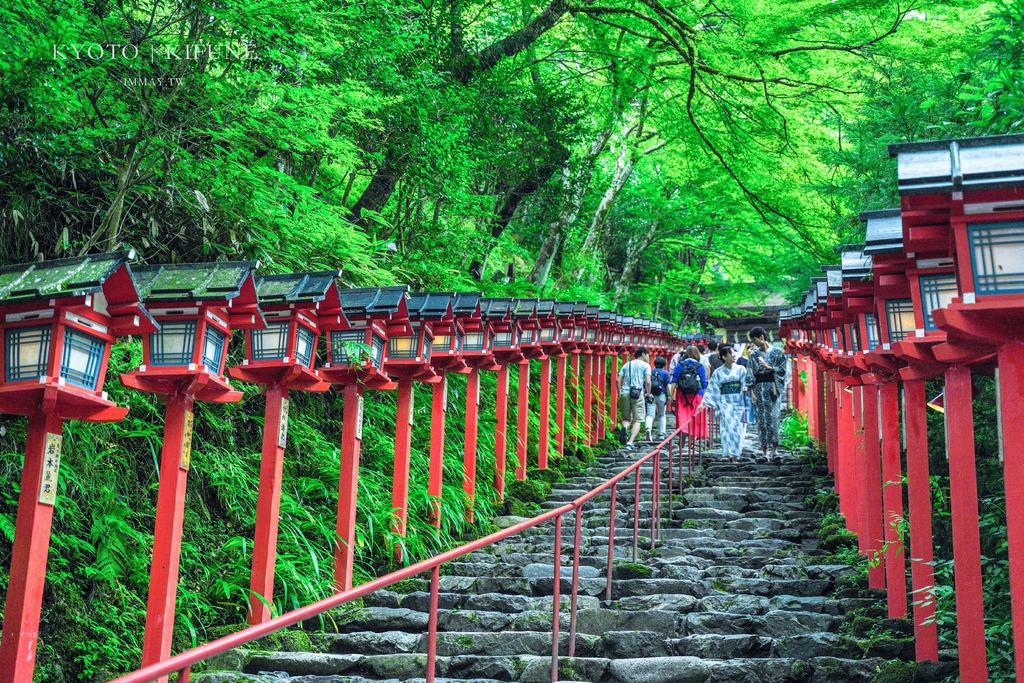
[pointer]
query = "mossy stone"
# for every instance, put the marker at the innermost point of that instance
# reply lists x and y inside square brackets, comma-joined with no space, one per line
[622,571]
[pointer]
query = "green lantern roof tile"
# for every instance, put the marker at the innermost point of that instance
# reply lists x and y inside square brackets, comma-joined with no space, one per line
[60,277]
[215,281]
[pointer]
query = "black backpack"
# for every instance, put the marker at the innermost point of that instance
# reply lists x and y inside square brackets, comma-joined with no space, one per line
[657,388]
[689,378]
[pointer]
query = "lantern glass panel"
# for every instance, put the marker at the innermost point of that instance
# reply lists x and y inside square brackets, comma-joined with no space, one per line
[592,334]
[459,341]
[547,334]
[377,350]
[443,343]
[428,343]
[527,337]
[340,345]
[871,323]
[997,257]
[835,339]
[27,350]
[580,331]
[854,336]
[937,291]
[305,346]
[474,341]
[503,340]
[566,333]
[270,343]
[81,358]
[617,338]
[174,344]
[900,315]
[213,349]
[402,347]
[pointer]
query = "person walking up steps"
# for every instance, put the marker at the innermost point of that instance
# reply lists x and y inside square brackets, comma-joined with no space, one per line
[688,383]
[634,388]
[659,398]
[726,389]
[766,379]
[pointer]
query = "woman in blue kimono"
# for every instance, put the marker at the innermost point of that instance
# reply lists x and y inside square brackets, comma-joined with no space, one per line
[766,379]
[725,394]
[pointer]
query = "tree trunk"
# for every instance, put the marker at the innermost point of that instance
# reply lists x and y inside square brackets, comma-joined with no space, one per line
[511,45]
[623,169]
[381,186]
[634,252]
[575,185]
[524,189]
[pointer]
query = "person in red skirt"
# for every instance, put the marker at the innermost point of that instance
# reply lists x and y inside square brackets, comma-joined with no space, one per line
[689,380]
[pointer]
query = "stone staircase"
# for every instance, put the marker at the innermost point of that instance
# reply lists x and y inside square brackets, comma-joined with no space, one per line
[734,591]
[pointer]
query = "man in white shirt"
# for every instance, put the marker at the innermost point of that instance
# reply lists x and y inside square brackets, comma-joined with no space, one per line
[634,388]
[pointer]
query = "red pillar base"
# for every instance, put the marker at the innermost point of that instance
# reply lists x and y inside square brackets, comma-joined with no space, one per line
[963,494]
[922,575]
[348,487]
[31,544]
[268,507]
[522,418]
[1011,413]
[170,515]
[469,454]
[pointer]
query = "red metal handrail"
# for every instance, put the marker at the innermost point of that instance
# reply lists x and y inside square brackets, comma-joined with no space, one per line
[182,663]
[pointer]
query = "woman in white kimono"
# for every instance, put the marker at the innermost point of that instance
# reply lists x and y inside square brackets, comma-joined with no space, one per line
[725,394]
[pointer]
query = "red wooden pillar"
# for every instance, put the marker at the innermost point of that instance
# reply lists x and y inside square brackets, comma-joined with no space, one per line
[403,449]
[523,418]
[613,404]
[435,473]
[818,399]
[574,390]
[831,443]
[469,451]
[170,515]
[31,543]
[602,395]
[545,413]
[859,466]
[874,523]
[844,443]
[588,386]
[348,487]
[963,493]
[560,370]
[268,507]
[501,431]
[922,574]
[892,495]
[1011,413]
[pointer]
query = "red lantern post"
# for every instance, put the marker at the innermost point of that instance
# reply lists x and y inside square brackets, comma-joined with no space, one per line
[505,349]
[197,306]
[357,347]
[281,357]
[972,200]
[58,320]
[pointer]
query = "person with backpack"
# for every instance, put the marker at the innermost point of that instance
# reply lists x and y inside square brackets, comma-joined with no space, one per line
[688,384]
[634,388]
[659,398]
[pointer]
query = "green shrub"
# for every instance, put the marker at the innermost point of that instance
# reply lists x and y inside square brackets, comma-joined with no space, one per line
[529,490]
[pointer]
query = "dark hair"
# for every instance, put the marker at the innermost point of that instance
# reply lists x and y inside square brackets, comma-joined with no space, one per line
[724,350]
[712,345]
[640,350]
[757,332]
[659,362]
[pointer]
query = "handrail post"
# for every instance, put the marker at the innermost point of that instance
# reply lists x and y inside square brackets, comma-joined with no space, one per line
[670,480]
[611,544]
[655,484]
[636,511]
[184,675]
[575,581]
[555,598]
[435,581]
